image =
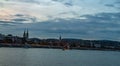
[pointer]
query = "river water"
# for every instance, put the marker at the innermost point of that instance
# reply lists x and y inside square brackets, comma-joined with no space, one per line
[57,57]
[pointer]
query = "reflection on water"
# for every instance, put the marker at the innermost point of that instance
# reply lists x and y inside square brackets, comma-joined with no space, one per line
[57,57]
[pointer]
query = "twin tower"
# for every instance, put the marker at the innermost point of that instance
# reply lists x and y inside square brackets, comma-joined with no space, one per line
[25,36]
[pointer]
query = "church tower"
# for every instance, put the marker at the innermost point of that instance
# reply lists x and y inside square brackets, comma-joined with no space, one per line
[60,41]
[25,36]
[60,38]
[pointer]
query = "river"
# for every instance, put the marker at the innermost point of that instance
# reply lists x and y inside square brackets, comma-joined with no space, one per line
[57,57]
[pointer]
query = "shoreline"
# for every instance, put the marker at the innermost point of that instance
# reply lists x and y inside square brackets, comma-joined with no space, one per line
[56,47]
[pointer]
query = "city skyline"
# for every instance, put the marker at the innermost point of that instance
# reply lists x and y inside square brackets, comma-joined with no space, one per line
[83,19]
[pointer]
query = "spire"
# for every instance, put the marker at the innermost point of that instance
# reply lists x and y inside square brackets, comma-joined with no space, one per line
[24,34]
[27,34]
[60,38]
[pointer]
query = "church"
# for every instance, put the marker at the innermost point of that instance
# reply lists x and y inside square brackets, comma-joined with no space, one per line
[25,36]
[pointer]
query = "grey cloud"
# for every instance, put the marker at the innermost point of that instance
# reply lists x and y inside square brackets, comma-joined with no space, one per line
[110,5]
[103,17]
[7,23]
[68,4]
[98,26]
[19,15]
[117,2]
[24,20]
[27,1]
[71,28]
[76,28]
[31,1]
[20,18]
[65,2]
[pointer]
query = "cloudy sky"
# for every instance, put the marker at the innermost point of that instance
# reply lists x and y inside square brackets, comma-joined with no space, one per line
[84,19]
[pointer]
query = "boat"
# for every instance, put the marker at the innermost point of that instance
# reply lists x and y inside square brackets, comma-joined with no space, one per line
[66,47]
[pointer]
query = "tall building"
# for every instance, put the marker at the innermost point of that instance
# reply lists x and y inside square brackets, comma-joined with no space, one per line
[60,38]
[25,36]
[60,41]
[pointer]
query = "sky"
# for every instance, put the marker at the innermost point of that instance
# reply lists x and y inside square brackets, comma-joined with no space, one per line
[82,19]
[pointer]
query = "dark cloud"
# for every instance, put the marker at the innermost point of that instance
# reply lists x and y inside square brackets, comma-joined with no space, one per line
[19,15]
[92,26]
[110,5]
[20,18]
[117,2]
[103,17]
[58,0]
[8,23]
[98,26]
[68,4]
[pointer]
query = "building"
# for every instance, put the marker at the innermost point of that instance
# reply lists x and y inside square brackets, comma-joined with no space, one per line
[2,37]
[25,36]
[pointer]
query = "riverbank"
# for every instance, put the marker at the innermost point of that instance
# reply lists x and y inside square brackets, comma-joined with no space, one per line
[56,47]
